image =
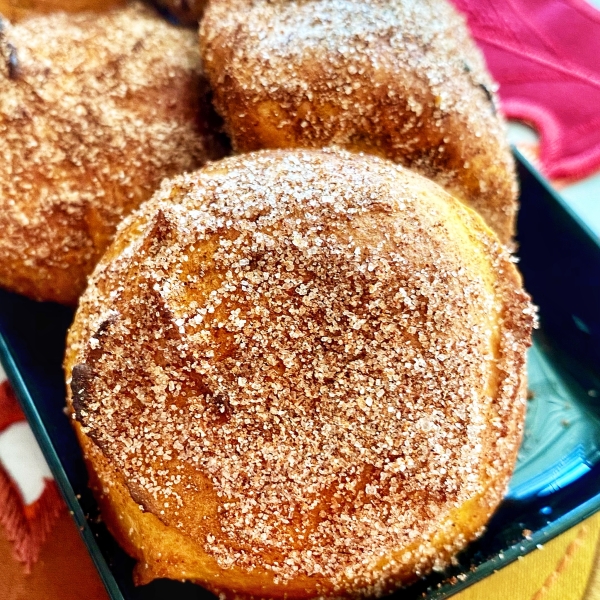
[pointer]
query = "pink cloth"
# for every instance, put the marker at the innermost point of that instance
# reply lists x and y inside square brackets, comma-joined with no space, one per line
[545,54]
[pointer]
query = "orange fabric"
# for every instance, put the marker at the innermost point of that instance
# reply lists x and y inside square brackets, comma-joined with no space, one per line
[64,570]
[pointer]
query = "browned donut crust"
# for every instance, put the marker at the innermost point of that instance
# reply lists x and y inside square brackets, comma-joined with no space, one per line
[95,110]
[299,374]
[396,78]
[15,10]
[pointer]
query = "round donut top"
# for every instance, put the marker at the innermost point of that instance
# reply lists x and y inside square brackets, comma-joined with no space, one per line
[70,91]
[95,110]
[397,78]
[309,357]
[300,48]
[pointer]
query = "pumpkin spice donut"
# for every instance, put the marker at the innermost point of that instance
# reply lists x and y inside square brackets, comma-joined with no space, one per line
[299,374]
[95,110]
[396,78]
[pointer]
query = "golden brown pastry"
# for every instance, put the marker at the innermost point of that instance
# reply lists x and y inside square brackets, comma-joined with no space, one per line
[187,12]
[95,110]
[14,10]
[397,78]
[299,374]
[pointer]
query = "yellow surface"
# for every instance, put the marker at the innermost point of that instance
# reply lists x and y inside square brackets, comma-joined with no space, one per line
[566,568]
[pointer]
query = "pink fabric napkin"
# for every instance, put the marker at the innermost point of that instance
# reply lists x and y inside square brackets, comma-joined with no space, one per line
[545,54]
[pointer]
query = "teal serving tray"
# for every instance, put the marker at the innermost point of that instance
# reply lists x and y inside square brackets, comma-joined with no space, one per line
[557,480]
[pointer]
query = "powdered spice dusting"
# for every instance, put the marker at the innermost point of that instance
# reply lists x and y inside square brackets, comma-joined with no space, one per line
[397,78]
[323,348]
[95,111]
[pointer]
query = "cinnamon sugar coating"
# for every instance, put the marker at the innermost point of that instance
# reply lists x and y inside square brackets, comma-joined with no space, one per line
[95,110]
[300,374]
[396,78]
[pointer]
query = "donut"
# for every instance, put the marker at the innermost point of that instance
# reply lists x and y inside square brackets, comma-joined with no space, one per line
[95,110]
[14,10]
[395,78]
[187,12]
[299,374]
